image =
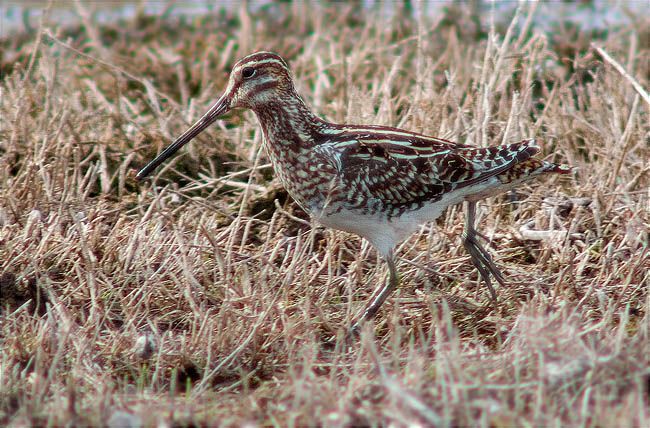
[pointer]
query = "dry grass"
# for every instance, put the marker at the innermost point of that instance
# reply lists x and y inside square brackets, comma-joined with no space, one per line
[197,300]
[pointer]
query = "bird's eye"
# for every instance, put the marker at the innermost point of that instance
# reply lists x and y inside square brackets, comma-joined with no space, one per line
[248,72]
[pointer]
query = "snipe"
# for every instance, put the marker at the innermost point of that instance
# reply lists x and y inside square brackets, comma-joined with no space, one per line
[378,182]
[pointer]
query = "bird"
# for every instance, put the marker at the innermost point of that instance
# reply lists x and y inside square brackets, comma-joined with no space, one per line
[378,182]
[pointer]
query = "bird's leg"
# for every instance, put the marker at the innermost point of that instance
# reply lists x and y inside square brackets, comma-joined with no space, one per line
[380,297]
[480,257]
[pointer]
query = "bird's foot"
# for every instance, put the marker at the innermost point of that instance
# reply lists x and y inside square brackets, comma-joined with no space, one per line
[482,261]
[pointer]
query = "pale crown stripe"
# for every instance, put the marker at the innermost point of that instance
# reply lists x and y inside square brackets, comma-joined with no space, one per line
[256,63]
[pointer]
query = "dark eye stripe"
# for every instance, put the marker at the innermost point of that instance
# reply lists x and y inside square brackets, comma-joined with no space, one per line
[263,87]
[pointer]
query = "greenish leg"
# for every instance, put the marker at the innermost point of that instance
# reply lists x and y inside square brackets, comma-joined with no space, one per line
[374,305]
[480,257]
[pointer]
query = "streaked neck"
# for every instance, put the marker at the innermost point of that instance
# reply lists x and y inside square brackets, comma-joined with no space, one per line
[288,122]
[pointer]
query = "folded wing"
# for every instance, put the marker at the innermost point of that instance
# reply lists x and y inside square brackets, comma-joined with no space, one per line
[407,170]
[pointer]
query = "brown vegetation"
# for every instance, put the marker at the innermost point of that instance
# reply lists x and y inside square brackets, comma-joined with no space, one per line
[196,299]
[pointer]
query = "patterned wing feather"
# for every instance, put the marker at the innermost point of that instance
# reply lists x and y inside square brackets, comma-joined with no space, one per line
[399,171]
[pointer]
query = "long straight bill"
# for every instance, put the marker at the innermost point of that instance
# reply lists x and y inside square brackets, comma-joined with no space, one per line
[219,108]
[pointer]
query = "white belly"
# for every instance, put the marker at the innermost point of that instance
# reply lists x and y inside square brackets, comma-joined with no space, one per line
[383,233]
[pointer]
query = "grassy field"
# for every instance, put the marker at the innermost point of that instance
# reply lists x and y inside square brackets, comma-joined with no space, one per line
[206,297]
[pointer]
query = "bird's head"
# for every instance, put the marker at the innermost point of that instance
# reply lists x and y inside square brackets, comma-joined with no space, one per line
[255,80]
[258,79]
